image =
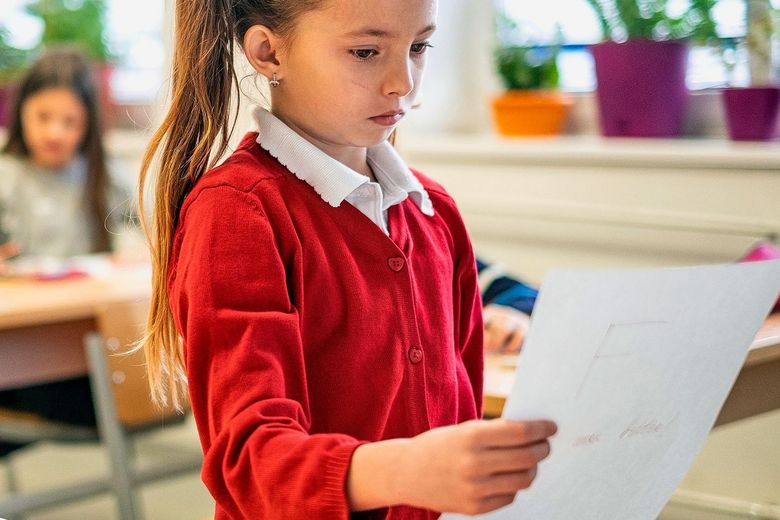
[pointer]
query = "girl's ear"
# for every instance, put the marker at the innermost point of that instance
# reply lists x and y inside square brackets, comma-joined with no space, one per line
[260,47]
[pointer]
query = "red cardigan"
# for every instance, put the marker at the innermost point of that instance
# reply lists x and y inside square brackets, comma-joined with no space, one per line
[308,331]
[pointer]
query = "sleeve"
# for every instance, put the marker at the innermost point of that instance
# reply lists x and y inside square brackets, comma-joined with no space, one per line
[8,174]
[245,367]
[501,289]
[468,317]
[5,234]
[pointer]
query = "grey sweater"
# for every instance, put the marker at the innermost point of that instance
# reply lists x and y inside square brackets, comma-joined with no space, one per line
[45,210]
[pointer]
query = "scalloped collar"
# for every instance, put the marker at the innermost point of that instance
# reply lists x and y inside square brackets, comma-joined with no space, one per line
[331,179]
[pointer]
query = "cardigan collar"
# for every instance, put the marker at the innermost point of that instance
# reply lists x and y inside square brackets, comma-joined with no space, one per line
[331,179]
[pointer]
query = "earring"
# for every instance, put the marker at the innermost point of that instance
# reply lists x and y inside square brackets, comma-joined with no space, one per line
[274,82]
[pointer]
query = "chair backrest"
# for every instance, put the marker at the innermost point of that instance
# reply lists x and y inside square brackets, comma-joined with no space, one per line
[122,324]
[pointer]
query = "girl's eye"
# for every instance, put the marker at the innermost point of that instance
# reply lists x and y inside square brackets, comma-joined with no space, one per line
[420,48]
[364,54]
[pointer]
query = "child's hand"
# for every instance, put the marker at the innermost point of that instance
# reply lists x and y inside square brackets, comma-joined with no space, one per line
[505,328]
[474,467]
[7,250]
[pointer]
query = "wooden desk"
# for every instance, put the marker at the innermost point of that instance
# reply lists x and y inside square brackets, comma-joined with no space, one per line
[757,389]
[36,316]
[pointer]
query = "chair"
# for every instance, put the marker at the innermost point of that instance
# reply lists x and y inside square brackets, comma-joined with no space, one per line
[123,409]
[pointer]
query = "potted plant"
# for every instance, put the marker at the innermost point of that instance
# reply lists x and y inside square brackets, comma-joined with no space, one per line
[752,111]
[82,24]
[12,63]
[531,104]
[641,67]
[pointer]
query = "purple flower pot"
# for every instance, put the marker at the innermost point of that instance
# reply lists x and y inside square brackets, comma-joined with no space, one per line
[641,87]
[752,112]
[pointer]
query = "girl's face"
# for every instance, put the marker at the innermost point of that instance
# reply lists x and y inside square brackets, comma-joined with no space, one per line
[54,123]
[352,70]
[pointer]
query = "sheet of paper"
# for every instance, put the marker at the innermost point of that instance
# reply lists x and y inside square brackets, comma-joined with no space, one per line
[634,367]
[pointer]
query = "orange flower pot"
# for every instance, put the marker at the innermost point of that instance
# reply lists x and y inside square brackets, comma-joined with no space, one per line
[531,112]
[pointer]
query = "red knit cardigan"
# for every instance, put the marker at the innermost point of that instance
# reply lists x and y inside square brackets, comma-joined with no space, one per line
[308,331]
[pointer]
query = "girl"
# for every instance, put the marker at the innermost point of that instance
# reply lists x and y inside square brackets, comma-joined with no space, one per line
[55,196]
[326,295]
[55,191]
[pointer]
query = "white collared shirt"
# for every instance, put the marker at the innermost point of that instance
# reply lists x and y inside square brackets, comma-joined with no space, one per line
[334,181]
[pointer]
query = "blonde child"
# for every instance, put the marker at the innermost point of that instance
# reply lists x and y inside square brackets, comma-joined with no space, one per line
[325,294]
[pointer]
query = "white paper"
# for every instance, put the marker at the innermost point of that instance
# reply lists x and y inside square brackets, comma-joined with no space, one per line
[634,366]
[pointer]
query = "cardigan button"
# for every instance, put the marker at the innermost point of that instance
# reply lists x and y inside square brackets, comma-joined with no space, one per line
[396,263]
[415,355]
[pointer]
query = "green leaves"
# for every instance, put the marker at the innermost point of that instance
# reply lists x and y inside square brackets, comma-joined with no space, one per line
[79,22]
[528,68]
[12,60]
[651,20]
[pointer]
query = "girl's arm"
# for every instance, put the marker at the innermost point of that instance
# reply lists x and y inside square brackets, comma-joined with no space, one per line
[245,366]
[470,468]
[8,248]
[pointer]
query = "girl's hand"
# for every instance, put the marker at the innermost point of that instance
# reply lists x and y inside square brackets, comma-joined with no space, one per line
[505,328]
[474,467]
[7,250]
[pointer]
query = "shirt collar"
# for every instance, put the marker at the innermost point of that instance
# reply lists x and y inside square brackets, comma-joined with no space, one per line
[331,179]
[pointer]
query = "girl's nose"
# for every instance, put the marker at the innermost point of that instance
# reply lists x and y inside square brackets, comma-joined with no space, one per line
[399,81]
[56,130]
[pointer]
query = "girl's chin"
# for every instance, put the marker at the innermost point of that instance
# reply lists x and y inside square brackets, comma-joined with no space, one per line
[50,162]
[383,134]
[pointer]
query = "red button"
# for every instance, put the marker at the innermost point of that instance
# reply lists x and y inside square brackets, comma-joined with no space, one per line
[396,263]
[415,355]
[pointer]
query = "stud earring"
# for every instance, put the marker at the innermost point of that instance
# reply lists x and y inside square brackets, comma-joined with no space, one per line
[274,82]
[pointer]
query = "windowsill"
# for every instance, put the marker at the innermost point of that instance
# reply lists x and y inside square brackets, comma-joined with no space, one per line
[590,150]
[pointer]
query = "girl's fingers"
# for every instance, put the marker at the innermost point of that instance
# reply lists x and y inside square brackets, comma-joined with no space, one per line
[500,433]
[492,339]
[514,341]
[8,250]
[494,502]
[508,483]
[512,460]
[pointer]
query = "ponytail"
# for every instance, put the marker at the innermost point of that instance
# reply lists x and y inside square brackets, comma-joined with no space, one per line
[192,137]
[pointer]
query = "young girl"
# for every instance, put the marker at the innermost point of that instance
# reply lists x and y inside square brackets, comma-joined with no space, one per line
[56,194]
[56,199]
[326,295]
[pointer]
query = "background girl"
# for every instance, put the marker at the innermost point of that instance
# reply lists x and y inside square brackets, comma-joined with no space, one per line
[326,294]
[56,198]
[55,192]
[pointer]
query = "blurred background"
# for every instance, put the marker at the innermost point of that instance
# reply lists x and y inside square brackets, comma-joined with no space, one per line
[683,172]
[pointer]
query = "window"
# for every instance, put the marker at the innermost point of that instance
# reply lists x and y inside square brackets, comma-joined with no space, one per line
[576,24]
[134,34]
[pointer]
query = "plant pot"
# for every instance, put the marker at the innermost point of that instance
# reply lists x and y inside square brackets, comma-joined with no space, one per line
[752,112]
[530,112]
[641,87]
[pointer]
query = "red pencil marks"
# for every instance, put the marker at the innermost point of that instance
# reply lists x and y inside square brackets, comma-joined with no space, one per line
[587,440]
[644,427]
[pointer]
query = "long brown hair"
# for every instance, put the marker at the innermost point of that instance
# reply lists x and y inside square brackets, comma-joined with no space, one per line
[192,137]
[69,68]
